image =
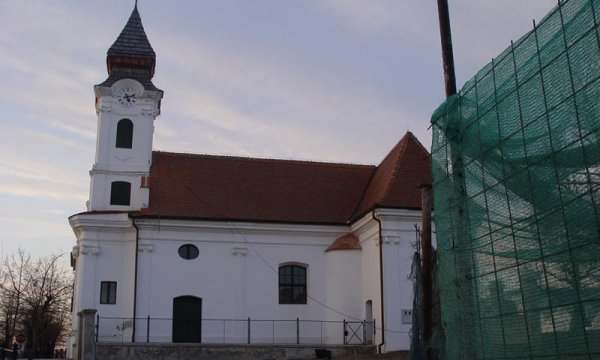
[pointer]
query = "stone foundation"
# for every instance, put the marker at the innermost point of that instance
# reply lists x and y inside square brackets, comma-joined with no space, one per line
[112,351]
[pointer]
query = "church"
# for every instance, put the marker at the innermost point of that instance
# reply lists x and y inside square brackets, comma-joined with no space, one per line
[195,248]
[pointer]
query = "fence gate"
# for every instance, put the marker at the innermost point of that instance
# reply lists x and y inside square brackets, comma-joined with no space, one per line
[358,332]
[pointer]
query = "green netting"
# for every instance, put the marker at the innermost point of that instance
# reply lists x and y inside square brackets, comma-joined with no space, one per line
[516,162]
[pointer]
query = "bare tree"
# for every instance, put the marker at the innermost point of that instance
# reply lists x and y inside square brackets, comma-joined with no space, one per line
[35,300]
[13,285]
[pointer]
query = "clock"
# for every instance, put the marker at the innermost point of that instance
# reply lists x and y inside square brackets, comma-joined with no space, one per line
[127,96]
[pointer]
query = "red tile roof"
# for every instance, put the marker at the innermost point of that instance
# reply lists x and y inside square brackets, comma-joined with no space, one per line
[236,188]
[396,181]
[345,242]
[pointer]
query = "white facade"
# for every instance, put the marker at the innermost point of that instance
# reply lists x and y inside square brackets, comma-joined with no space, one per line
[119,163]
[128,266]
[235,275]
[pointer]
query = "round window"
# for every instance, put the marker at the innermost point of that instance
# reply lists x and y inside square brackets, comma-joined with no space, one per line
[188,251]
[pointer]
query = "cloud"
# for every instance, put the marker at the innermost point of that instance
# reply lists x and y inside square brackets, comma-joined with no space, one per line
[38,190]
[276,106]
[481,30]
[415,22]
[35,231]
[30,178]
[51,139]
[56,212]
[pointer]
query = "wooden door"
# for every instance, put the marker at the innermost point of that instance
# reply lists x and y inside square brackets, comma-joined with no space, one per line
[187,319]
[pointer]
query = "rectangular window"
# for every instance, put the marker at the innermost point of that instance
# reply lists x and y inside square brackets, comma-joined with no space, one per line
[108,292]
[292,284]
[120,193]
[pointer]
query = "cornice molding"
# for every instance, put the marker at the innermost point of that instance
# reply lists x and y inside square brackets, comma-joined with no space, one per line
[397,214]
[101,169]
[97,221]
[89,250]
[145,248]
[391,239]
[247,228]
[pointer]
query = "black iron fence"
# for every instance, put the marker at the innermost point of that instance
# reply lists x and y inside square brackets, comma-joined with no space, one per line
[238,331]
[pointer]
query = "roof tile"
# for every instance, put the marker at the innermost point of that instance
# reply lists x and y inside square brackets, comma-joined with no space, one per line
[131,55]
[133,40]
[397,179]
[345,242]
[250,189]
[234,188]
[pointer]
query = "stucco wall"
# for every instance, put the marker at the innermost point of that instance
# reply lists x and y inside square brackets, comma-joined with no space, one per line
[367,231]
[121,164]
[236,277]
[104,252]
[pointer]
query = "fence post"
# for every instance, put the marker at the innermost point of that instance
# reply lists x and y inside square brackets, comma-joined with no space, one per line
[321,332]
[86,346]
[248,329]
[364,339]
[297,330]
[97,326]
[148,329]
[344,333]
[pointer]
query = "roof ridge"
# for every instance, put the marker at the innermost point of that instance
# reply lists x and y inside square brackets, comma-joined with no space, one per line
[416,141]
[402,144]
[382,187]
[258,159]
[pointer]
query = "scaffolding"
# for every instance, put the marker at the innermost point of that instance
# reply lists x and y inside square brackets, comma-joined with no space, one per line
[516,164]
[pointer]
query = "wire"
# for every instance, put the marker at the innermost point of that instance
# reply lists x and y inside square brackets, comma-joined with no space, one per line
[274,269]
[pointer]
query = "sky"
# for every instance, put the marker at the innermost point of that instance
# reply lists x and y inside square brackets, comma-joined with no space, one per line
[322,80]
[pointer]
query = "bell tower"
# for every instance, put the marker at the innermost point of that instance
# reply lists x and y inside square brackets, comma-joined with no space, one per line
[127,103]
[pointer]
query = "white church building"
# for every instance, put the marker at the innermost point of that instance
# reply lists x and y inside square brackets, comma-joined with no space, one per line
[192,248]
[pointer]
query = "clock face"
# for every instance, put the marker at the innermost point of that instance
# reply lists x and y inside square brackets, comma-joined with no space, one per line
[127,96]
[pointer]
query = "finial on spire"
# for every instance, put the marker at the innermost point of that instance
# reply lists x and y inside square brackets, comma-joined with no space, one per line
[135,6]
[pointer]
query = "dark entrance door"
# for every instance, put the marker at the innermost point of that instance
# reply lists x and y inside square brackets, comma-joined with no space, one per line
[187,319]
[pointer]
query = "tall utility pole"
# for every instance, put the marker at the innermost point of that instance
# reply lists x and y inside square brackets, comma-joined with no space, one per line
[447,53]
[426,189]
[463,292]
[426,258]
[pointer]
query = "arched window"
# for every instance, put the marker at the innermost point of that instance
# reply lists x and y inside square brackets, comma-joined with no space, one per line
[120,193]
[124,134]
[292,284]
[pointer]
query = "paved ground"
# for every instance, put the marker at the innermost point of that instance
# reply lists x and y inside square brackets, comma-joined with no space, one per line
[389,356]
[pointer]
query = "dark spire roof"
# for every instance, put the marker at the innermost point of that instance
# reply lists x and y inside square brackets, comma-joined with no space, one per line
[132,41]
[131,55]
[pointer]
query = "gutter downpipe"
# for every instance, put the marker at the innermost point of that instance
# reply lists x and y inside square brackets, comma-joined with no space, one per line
[135,276]
[380,283]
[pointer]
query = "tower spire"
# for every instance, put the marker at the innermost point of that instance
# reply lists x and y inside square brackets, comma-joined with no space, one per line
[132,46]
[131,55]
